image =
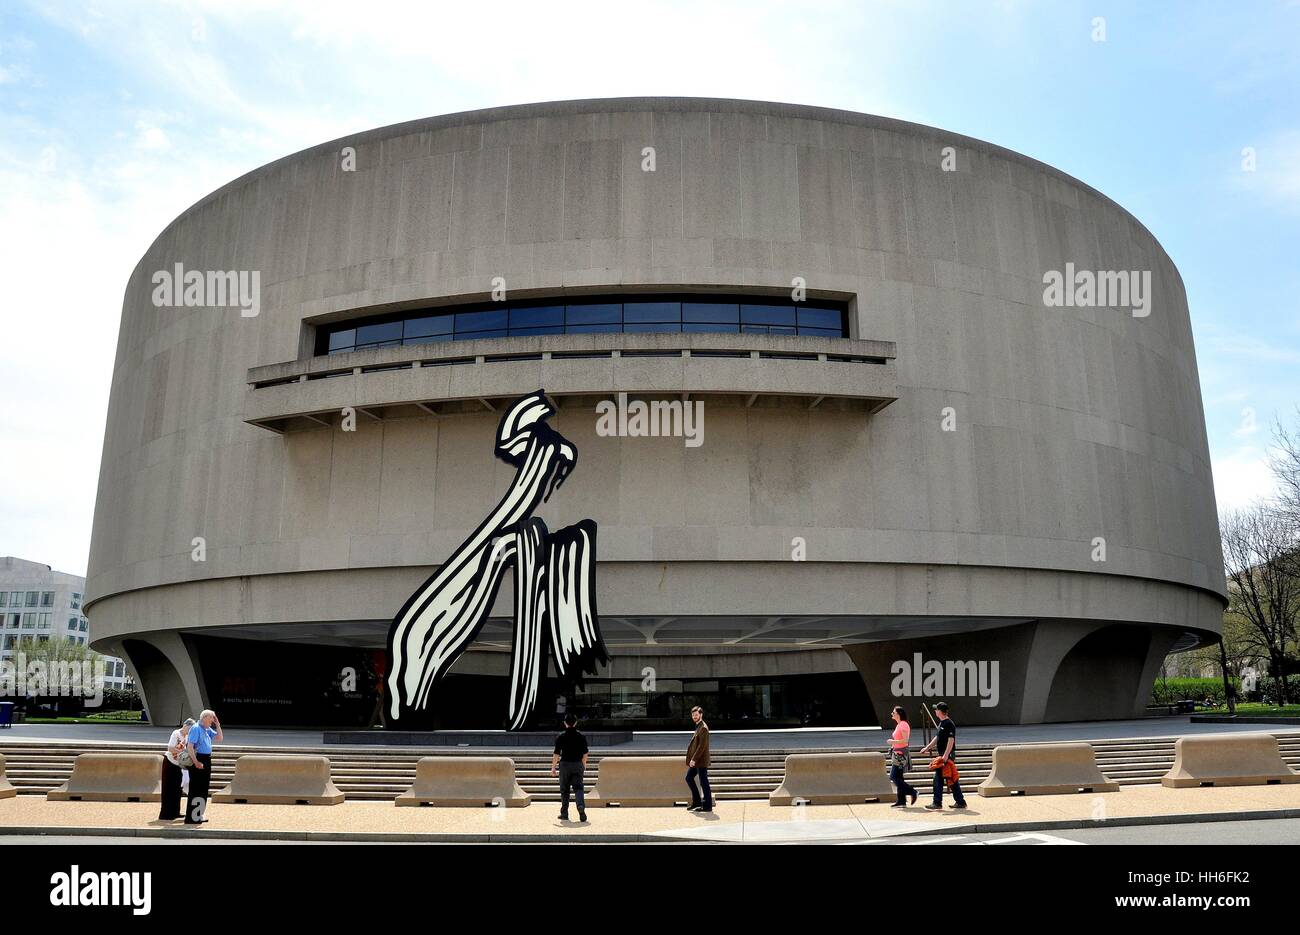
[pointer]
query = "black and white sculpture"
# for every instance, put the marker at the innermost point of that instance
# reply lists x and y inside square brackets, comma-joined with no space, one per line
[555,582]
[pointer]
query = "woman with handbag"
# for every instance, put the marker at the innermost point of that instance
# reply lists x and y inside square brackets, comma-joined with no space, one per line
[174,768]
[900,757]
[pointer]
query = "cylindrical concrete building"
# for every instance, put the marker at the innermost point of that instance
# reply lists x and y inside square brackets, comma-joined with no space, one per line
[913,476]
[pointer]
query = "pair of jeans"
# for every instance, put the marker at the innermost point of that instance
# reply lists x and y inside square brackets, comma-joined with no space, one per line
[899,779]
[200,779]
[957,798]
[571,777]
[702,773]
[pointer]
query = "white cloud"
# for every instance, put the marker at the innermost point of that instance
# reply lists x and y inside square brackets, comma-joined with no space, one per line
[1242,477]
[151,137]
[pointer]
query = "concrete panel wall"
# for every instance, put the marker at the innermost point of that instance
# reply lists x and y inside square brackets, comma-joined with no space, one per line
[1072,423]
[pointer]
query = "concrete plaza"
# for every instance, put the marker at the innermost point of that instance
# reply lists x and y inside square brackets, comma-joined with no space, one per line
[735,821]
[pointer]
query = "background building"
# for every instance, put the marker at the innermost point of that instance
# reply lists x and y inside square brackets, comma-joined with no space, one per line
[919,462]
[38,604]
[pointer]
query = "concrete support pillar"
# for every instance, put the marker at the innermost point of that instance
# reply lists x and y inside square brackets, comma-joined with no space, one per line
[1029,673]
[1052,641]
[166,675]
[910,671]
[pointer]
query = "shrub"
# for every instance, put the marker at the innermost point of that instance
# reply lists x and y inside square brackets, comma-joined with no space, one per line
[1267,689]
[120,699]
[1170,691]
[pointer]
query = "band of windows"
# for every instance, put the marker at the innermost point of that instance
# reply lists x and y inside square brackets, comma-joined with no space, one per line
[721,315]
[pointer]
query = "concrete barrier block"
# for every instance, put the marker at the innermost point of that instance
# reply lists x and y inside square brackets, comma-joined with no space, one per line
[7,789]
[1045,769]
[112,777]
[833,779]
[1227,760]
[640,781]
[465,781]
[263,779]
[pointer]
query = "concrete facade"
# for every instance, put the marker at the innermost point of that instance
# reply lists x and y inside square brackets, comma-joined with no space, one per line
[1069,425]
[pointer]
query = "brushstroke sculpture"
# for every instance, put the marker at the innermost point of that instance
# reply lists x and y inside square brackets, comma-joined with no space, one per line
[555,583]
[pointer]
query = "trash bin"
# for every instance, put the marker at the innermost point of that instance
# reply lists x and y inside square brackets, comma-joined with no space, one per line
[6,714]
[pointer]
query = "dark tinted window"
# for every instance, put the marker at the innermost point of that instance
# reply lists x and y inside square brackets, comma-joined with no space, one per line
[716,327]
[596,327]
[432,325]
[425,338]
[643,327]
[535,317]
[652,311]
[593,314]
[482,321]
[381,333]
[819,318]
[767,314]
[710,311]
[644,314]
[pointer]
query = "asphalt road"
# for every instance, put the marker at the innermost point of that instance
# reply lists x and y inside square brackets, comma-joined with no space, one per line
[1275,831]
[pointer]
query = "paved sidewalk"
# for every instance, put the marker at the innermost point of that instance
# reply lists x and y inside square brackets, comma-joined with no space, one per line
[748,821]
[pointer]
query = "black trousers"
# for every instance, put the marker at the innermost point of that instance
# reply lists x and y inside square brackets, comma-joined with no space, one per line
[171,791]
[571,778]
[957,797]
[200,782]
[702,772]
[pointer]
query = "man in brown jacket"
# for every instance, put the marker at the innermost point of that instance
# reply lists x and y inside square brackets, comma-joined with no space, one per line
[697,764]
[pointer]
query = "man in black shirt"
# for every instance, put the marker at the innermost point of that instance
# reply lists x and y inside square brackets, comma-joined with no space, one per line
[570,762]
[945,745]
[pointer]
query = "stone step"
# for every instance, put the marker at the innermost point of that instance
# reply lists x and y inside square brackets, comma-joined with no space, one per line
[377,775]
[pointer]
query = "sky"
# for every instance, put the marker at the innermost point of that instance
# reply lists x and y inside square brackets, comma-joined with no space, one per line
[116,116]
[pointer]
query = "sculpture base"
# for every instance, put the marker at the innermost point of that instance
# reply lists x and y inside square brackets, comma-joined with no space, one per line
[470,738]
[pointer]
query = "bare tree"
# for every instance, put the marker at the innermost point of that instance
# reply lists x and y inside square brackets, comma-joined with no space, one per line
[1259,546]
[1284,460]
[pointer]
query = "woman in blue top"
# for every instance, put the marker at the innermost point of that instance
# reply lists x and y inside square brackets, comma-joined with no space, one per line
[199,744]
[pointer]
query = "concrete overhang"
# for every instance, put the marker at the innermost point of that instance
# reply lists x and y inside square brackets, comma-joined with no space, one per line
[716,632]
[449,377]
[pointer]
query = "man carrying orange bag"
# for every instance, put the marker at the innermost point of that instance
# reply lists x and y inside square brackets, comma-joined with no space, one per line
[944,765]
